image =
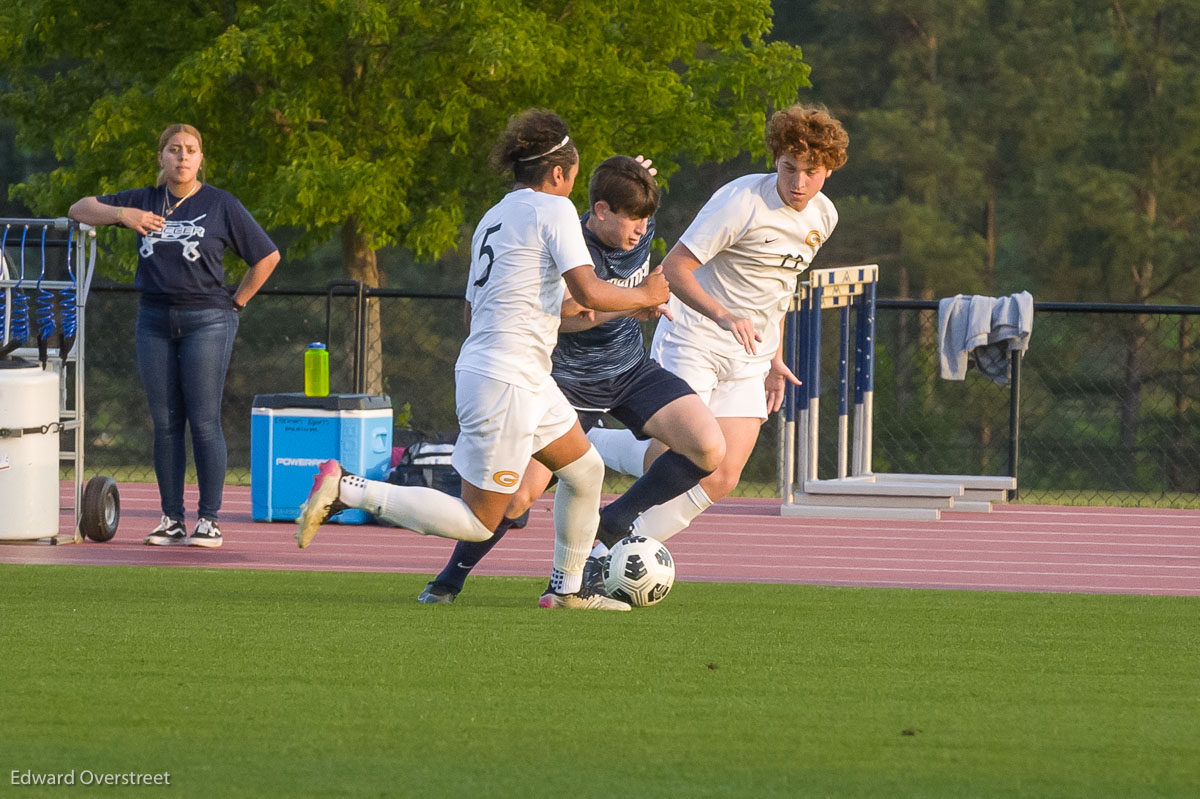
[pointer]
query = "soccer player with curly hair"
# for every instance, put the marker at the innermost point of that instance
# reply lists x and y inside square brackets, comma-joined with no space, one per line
[732,275]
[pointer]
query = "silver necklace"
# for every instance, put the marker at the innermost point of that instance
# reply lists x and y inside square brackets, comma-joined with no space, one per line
[167,211]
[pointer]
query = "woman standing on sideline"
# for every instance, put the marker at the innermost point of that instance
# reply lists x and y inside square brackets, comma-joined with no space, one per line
[524,250]
[187,317]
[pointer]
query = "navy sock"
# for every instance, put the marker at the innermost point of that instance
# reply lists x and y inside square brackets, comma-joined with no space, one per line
[467,555]
[670,475]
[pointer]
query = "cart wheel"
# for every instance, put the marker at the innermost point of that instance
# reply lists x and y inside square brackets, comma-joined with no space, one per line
[101,511]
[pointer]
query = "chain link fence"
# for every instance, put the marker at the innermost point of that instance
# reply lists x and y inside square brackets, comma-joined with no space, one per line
[1109,408]
[1109,405]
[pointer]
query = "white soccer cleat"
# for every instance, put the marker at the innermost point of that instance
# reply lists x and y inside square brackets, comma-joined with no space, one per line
[322,502]
[584,599]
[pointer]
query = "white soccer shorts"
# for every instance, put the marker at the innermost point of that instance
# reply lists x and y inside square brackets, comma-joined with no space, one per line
[501,426]
[731,388]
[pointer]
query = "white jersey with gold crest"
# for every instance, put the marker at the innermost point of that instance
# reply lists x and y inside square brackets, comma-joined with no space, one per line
[752,247]
[519,252]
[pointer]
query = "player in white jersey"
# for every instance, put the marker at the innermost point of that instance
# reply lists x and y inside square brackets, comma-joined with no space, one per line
[732,274]
[525,249]
[603,367]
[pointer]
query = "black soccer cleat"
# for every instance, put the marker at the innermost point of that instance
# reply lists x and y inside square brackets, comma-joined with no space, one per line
[436,593]
[593,574]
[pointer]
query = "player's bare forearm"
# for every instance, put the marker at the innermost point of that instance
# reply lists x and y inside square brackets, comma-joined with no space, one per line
[599,295]
[680,266]
[585,319]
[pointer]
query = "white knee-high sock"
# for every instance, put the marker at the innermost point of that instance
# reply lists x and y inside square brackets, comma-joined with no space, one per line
[422,510]
[621,451]
[576,514]
[665,520]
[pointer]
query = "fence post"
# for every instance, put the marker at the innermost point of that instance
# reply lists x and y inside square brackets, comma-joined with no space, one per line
[1014,420]
[360,327]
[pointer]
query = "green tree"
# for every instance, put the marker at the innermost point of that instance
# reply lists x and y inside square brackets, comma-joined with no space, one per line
[1135,178]
[1044,144]
[907,80]
[371,120]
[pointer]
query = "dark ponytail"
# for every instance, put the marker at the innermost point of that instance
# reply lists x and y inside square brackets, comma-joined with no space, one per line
[534,142]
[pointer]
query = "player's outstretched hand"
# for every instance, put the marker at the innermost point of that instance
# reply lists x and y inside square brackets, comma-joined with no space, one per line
[646,162]
[776,383]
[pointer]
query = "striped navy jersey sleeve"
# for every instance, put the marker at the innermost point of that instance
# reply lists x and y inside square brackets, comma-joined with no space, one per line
[612,348]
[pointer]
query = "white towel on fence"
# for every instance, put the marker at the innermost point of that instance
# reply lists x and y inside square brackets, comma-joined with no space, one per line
[983,331]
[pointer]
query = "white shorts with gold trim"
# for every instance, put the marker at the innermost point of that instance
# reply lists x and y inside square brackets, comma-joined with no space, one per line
[501,426]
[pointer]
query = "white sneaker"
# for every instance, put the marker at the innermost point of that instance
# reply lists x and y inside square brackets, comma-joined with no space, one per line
[206,534]
[168,533]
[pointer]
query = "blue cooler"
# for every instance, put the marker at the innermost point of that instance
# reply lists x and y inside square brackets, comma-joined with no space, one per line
[292,434]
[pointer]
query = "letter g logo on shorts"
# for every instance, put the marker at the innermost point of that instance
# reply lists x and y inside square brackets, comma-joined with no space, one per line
[506,479]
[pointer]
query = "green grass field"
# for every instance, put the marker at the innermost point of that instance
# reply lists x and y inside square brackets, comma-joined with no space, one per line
[292,684]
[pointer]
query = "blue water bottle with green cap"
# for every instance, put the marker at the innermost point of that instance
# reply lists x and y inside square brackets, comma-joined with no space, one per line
[316,370]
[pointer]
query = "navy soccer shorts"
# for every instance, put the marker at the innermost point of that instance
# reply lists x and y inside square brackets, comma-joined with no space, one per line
[631,397]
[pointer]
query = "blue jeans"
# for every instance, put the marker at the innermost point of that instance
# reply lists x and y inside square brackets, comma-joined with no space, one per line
[183,356]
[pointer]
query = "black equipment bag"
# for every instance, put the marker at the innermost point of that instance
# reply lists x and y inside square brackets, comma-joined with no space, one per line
[426,462]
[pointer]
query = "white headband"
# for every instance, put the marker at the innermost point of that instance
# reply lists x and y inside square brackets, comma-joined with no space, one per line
[553,149]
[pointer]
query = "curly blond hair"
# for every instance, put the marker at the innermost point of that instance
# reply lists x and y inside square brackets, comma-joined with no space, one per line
[808,132]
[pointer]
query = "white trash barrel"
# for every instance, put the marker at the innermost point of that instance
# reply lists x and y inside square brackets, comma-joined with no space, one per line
[29,460]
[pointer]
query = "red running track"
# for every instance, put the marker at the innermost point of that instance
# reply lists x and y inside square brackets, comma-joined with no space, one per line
[1014,548]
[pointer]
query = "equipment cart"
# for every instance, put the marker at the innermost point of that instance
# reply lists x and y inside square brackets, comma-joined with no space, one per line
[46,270]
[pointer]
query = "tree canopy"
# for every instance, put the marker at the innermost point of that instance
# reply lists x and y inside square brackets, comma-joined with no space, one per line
[375,117]
[995,146]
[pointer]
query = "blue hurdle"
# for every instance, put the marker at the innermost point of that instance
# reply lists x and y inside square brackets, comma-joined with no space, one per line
[844,289]
[855,491]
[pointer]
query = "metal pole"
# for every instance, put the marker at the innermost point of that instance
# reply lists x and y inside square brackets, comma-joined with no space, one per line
[868,428]
[360,341]
[1014,419]
[787,422]
[843,393]
[814,377]
[860,362]
[803,355]
[358,375]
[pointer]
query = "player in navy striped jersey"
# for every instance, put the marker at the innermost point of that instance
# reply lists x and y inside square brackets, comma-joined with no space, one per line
[524,251]
[602,366]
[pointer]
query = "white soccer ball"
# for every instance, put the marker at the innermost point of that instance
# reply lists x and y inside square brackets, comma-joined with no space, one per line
[639,571]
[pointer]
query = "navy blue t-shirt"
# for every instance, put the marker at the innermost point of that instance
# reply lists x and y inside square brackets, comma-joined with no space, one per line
[612,348]
[181,265]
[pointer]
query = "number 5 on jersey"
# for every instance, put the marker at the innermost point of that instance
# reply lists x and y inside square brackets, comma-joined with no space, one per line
[485,250]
